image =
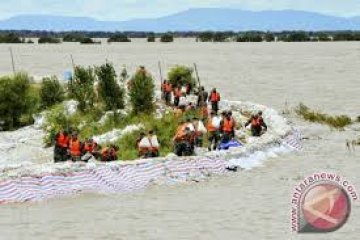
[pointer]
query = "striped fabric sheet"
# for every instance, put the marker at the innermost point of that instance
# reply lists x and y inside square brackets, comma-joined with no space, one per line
[107,179]
[293,140]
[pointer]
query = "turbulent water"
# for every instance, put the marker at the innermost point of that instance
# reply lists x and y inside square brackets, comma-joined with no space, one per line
[251,204]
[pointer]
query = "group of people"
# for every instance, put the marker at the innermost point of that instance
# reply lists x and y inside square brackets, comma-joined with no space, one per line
[69,147]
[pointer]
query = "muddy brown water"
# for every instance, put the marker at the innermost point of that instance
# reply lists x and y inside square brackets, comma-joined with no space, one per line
[253,204]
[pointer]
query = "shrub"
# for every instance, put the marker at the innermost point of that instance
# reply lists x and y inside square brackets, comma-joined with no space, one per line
[18,101]
[51,92]
[48,40]
[141,92]
[167,37]
[10,38]
[73,37]
[206,36]
[88,41]
[151,37]
[219,37]
[269,37]
[333,121]
[111,93]
[119,37]
[249,37]
[181,75]
[298,37]
[81,87]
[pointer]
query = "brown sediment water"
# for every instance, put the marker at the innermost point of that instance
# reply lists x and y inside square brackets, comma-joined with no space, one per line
[252,204]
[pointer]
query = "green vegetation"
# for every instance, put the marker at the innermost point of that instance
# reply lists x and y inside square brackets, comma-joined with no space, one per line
[358,119]
[73,37]
[141,92]
[51,92]
[338,122]
[167,37]
[206,36]
[181,75]
[87,40]
[111,93]
[11,38]
[49,40]
[119,37]
[250,37]
[81,88]
[151,37]
[18,101]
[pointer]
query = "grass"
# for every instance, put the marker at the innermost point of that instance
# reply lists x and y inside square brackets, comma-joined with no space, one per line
[87,126]
[338,122]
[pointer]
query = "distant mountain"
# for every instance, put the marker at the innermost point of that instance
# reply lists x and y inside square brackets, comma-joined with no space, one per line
[199,19]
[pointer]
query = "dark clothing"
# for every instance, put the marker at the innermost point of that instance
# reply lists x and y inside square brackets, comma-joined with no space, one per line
[60,154]
[256,129]
[215,106]
[167,97]
[202,98]
[184,148]
[213,138]
[176,101]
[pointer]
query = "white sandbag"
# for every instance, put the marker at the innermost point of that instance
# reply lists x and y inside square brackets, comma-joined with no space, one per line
[183,101]
[201,128]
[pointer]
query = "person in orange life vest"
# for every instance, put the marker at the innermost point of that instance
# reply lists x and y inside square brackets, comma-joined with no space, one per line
[213,131]
[109,154]
[227,128]
[91,147]
[167,91]
[214,98]
[183,141]
[75,147]
[61,146]
[154,144]
[235,123]
[177,95]
[257,125]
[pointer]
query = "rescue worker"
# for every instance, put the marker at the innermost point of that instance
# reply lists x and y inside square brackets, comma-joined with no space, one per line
[109,154]
[75,147]
[257,125]
[167,90]
[90,149]
[213,131]
[177,95]
[61,146]
[227,128]
[183,141]
[163,89]
[214,98]
[154,144]
[202,97]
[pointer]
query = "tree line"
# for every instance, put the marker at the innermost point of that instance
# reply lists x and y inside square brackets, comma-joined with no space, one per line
[206,36]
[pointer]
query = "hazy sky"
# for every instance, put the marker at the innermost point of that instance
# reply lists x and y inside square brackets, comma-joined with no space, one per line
[129,9]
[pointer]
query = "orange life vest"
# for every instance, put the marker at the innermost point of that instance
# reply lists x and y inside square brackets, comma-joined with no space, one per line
[180,132]
[75,147]
[210,127]
[215,97]
[177,92]
[256,122]
[89,147]
[228,125]
[62,140]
